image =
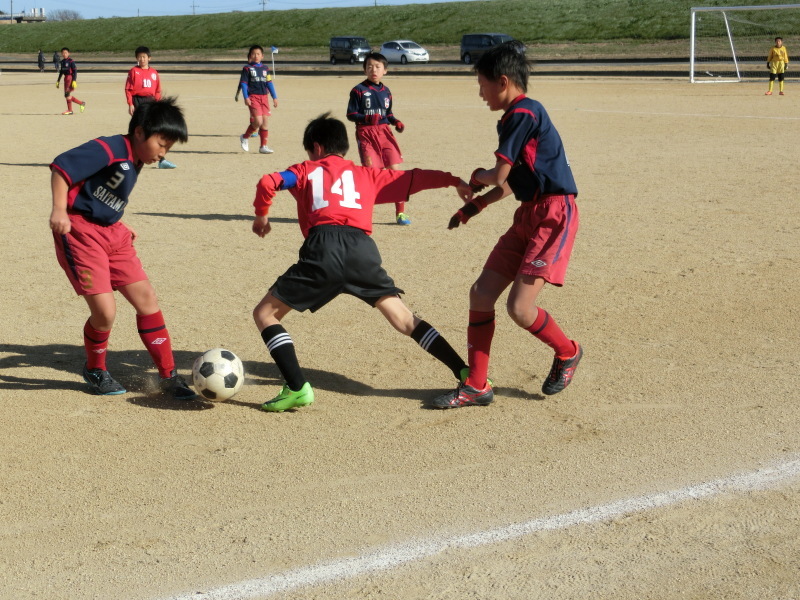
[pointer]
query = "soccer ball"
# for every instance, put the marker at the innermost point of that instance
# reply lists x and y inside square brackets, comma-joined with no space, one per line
[217,374]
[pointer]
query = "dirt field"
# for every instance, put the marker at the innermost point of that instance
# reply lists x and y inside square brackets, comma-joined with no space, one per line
[683,289]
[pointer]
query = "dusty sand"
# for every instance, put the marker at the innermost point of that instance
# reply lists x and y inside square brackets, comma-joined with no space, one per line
[683,289]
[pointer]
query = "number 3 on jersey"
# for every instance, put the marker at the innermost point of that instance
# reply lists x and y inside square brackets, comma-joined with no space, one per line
[343,190]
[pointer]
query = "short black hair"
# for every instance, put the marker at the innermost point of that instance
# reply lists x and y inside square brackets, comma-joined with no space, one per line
[160,117]
[375,56]
[65,48]
[778,38]
[142,50]
[506,59]
[254,47]
[329,133]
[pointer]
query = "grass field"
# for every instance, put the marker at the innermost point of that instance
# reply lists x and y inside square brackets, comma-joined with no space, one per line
[599,28]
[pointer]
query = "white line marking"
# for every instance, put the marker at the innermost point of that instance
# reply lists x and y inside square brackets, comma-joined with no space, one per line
[399,554]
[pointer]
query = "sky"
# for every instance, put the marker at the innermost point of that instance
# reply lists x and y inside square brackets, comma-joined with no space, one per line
[89,9]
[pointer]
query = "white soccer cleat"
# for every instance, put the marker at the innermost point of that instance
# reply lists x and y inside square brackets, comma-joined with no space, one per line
[245,143]
[266,150]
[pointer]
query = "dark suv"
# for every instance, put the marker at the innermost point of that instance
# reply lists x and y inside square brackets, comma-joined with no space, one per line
[350,48]
[473,45]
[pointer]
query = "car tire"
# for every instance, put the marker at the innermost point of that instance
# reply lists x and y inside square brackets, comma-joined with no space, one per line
[467,59]
[403,60]
[333,60]
[352,60]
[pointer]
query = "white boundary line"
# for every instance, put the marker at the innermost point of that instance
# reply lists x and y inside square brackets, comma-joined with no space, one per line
[398,554]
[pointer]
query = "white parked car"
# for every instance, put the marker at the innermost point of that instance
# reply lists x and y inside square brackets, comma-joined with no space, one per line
[404,51]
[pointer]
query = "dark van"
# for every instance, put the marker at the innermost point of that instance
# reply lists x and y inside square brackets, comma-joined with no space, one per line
[351,48]
[473,45]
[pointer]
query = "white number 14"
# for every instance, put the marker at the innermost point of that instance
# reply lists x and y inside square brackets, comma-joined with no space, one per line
[344,187]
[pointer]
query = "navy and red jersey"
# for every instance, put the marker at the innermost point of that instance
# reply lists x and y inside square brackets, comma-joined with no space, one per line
[336,191]
[67,68]
[142,82]
[101,174]
[530,143]
[256,79]
[369,98]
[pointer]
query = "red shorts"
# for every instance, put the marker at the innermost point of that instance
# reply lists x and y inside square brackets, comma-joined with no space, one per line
[377,146]
[259,105]
[540,241]
[98,259]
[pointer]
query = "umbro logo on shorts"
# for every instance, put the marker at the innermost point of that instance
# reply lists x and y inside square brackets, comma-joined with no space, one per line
[538,263]
[158,341]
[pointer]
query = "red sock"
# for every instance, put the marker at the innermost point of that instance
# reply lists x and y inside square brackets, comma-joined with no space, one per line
[400,207]
[263,134]
[250,129]
[546,329]
[95,343]
[156,339]
[76,101]
[479,342]
[69,104]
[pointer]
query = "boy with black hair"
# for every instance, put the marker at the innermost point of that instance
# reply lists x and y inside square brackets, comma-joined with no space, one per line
[69,71]
[144,85]
[335,200]
[90,186]
[530,163]
[370,108]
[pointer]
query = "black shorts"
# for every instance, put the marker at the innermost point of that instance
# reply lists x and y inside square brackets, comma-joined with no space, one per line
[334,259]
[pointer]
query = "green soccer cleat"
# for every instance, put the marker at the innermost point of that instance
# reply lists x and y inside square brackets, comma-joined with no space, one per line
[288,399]
[83,106]
[403,219]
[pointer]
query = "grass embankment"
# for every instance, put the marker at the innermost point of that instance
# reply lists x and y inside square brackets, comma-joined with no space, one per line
[558,28]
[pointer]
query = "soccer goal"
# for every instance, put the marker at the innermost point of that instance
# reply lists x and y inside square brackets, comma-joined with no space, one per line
[731,43]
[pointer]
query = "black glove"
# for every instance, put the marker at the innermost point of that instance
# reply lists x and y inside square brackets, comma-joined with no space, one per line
[768,65]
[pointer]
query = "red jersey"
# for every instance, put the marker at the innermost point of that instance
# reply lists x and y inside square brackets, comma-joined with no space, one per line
[142,82]
[336,191]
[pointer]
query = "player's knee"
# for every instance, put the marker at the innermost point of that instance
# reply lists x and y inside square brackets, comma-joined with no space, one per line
[522,315]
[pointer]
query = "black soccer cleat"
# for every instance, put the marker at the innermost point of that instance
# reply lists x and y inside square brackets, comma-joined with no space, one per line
[102,383]
[463,395]
[175,386]
[561,372]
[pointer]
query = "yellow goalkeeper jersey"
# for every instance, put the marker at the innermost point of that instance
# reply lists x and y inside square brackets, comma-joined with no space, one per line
[778,55]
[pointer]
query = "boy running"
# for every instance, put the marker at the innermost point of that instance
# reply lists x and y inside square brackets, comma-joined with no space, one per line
[69,71]
[255,83]
[91,185]
[370,108]
[335,200]
[144,85]
[531,164]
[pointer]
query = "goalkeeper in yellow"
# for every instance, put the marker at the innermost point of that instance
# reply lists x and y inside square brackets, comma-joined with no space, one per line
[777,63]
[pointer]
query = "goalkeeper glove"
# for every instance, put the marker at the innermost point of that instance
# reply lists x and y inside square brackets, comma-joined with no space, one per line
[398,125]
[58,84]
[372,119]
[476,185]
[768,65]
[74,85]
[466,212]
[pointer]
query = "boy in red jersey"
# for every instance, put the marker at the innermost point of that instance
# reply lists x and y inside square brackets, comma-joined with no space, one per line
[335,199]
[144,85]
[370,108]
[255,84]
[69,71]
[91,185]
[531,164]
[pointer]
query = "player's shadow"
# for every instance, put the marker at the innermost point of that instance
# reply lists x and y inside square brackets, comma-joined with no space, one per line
[215,217]
[132,368]
[4,164]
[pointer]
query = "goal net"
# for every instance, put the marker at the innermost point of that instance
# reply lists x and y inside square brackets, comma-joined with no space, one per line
[731,43]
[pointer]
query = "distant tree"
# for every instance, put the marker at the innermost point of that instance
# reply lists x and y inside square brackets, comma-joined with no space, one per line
[64,14]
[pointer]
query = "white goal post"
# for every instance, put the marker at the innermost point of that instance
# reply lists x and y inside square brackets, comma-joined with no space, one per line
[731,43]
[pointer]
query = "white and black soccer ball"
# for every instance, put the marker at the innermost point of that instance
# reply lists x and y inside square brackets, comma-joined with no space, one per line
[217,374]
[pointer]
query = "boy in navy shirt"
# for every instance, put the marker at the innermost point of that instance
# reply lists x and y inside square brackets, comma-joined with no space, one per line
[69,71]
[370,108]
[531,164]
[91,185]
[255,83]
